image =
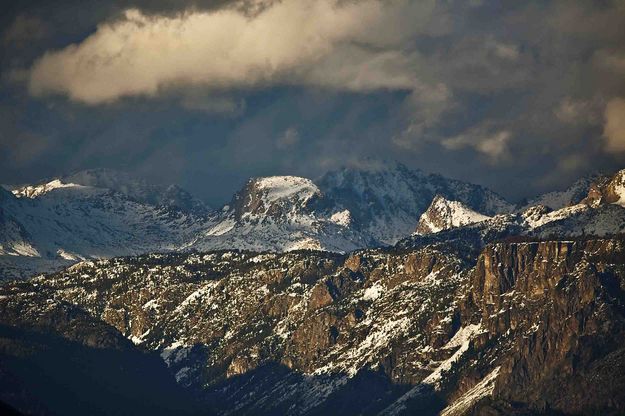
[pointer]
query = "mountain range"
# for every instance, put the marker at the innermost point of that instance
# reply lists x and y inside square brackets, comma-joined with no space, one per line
[101,214]
[379,291]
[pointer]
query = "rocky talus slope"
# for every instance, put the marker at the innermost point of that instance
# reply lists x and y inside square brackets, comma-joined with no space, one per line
[526,327]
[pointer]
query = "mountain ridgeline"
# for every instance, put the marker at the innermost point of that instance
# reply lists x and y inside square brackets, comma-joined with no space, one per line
[382,291]
[101,214]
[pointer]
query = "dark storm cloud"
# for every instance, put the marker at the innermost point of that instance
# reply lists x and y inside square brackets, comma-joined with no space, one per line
[519,96]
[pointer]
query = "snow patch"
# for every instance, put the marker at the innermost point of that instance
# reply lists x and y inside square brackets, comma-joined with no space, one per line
[464,334]
[374,292]
[482,389]
[343,218]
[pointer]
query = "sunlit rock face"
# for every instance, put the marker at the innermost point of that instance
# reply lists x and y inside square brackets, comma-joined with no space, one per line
[515,313]
[526,327]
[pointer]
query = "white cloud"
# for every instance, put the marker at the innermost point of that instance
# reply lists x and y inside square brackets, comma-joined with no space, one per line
[348,45]
[614,127]
[424,107]
[493,145]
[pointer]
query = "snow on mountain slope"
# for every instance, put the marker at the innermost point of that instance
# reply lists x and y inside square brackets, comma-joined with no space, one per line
[99,214]
[600,211]
[443,214]
[277,188]
[34,191]
[58,222]
[134,189]
[386,201]
[276,197]
[540,215]
[280,213]
[579,220]
[555,200]
[535,222]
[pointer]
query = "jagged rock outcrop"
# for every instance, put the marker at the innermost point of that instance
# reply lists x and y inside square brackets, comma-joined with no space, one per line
[529,327]
[554,316]
[607,190]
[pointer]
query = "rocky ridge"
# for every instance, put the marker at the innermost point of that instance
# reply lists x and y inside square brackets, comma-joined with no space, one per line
[601,212]
[526,329]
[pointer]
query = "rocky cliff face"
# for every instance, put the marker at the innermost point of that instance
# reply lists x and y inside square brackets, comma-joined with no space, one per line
[607,190]
[553,312]
[531,327]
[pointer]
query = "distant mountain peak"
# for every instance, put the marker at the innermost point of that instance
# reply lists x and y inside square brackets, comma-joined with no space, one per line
[277,197]
[386,201]
[572,195]
[131,187]
[443,214]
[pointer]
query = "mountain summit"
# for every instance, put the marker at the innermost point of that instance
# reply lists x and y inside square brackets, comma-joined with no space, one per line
[386,201]
[132,188]
[443,214]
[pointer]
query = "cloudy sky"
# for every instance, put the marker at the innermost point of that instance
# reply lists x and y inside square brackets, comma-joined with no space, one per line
[522,97]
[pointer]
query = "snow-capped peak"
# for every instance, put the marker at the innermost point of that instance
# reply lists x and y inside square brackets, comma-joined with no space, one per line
[274,197]
[444,214]
[97,181]
[35,191]
[286,187]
